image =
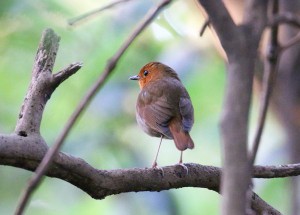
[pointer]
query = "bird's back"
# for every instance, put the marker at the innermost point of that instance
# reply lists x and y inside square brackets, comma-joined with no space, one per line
[164,108]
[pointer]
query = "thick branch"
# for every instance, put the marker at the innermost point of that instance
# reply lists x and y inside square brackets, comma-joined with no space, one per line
[281,171]
[234,123]
[27,153]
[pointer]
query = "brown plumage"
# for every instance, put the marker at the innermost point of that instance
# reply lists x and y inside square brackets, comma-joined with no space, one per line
[164,108]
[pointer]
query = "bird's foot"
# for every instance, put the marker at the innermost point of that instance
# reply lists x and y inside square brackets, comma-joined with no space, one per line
[184,167]
[156,167]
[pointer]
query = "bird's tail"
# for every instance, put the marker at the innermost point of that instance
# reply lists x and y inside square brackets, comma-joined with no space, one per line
[181,138]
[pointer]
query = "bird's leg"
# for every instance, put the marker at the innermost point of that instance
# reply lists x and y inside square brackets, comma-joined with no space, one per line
[180,160]
[181,163]
[154,165]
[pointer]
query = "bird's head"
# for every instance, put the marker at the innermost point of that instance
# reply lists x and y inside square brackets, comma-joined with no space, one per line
[153,71]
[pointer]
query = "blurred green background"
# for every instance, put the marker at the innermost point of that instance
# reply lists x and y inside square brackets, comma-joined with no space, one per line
[107,135]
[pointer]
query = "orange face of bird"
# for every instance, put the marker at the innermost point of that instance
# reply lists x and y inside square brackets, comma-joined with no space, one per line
[149,73]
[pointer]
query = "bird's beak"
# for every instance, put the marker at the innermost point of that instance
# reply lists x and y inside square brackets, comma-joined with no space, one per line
[135,77]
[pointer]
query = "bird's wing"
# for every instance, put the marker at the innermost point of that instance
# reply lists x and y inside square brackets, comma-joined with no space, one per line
[187,112]
[156,111]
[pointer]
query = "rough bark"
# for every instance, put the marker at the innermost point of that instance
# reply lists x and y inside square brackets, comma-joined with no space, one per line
[27,153]
[42,85]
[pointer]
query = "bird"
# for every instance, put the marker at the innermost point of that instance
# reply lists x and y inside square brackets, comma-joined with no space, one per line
[164,108]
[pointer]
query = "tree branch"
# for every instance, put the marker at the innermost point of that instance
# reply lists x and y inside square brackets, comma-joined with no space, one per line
[32,109]
[204,27]
[26,153]
[43,83]
[222,22]
[62,75]
[240,70]
[42,168]
[87,15]
[26,149]
[270,72]
[280,171]
[285,18]
[259,206]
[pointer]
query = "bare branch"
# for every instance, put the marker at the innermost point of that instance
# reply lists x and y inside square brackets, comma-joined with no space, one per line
[42,168]
[42,85]
[204,26]
[280,171]
[259,206]
[240,70]
[25,153]
[270,73]
[62,75]
[222,22]
[77,19]
[286,18]
[38,93]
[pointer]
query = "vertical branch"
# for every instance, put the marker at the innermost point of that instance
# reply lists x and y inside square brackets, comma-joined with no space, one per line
[271,63]
[43,84]
[234,122]
[37,95]
[270,69]
[234,130]
[235,113]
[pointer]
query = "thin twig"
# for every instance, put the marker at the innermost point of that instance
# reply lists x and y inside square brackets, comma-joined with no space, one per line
[87,15]
[42,168]
[65,73]
[268,82]
[204,27]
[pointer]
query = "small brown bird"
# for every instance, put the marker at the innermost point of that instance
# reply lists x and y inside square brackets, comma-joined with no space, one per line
[164,108]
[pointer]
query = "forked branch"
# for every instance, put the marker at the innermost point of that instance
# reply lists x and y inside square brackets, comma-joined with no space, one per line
[43,83]
[111,64]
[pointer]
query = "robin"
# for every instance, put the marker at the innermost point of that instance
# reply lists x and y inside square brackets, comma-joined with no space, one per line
[164,108]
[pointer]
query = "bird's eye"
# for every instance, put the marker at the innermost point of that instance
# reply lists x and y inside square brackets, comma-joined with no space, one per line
[146,73]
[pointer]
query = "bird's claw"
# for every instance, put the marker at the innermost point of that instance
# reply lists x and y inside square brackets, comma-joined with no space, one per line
[156,167]
[184,167]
